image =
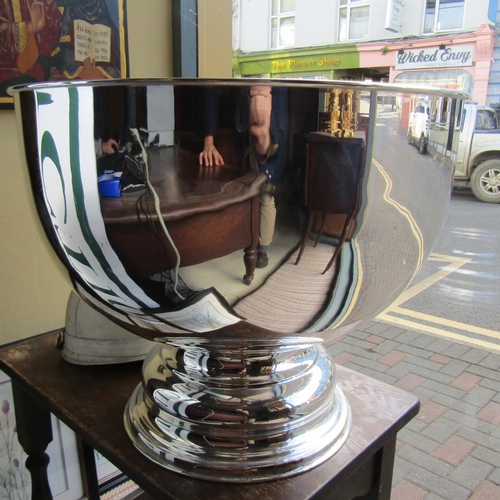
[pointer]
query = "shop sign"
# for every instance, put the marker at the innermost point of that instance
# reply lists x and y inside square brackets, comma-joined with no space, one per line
[312,63]
[394,14]
[445,57]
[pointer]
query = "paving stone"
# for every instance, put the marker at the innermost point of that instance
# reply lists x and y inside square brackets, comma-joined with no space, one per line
[415,439]
[401,468]
[433,496]
[441,429]
[415,351]
[485,372]
[486,455]
[409,382]
[362,353]
[474,356]
[405,490]
[456,404]
[433,375]
[336,348]
[375,327]
[439,358]
[444,389]
[491,361]
[424,363]
[455,367]
[430,411]
[494,477]
[400,370]
[386,347]
[490,413]
[466,381]
[491,384]
[472,422]
[438,485]
[390,333]
[489,441]
[422,341]
[357,334]
[454,450]
[423,394]
[471,473]
[479,396]
[392,358]
[369,363]
[426,461]
[375,339]
[406,337]
[455,350]
[486,491]
[371,373]
[415,425]
[439,345]
[363,344]
[343,358]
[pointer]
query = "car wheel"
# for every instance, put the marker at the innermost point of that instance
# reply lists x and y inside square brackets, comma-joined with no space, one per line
[408,136]
[422,145]
[485,181]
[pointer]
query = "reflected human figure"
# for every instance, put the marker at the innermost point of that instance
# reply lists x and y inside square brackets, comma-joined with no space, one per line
[267,128]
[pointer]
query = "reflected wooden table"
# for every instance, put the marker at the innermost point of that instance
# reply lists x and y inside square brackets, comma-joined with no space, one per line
[91,401]
[209,212]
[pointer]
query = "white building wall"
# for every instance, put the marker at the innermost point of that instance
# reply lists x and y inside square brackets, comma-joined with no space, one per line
[316,22]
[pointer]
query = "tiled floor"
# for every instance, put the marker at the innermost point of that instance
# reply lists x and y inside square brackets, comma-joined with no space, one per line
[451,450]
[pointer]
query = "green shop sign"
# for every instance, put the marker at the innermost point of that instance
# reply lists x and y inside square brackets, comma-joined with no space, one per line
[297,61]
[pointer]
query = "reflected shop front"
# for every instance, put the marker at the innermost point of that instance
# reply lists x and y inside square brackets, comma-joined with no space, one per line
[239,224]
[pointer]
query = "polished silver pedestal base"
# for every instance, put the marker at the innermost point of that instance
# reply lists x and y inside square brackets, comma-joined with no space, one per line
[244,411]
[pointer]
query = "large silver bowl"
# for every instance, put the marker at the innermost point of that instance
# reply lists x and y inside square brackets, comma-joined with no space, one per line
[319,217]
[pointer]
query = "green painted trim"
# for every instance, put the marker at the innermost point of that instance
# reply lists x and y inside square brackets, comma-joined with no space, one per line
[283,62]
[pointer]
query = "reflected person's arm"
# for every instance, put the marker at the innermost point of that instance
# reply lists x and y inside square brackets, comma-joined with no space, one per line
[210,157]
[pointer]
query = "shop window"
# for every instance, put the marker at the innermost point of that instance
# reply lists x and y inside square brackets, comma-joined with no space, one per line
[354,19]
[443,15]
[282,23]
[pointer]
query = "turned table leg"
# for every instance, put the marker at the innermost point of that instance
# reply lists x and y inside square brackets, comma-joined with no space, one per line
[34,432]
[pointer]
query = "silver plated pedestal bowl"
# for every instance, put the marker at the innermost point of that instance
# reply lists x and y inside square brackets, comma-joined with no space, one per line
[240,224]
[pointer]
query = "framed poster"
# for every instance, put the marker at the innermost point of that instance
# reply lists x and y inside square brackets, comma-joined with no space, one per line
[60,40]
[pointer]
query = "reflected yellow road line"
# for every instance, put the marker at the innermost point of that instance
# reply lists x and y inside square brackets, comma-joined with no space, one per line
[454,263]
[442,333]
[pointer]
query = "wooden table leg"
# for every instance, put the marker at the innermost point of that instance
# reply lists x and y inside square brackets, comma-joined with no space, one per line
[34,432]
[89,470]
[382,488]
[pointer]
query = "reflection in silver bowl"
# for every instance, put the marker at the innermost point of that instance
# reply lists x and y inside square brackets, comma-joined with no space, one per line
[239,224]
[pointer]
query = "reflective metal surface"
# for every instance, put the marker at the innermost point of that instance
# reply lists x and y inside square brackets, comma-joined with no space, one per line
[238,221]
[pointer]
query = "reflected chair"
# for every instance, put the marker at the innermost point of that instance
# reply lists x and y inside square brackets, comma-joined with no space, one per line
[333,178]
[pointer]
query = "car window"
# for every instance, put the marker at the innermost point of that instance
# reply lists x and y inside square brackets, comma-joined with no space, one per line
[486,120]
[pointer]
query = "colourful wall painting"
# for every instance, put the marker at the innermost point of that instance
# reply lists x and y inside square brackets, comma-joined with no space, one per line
[60,40]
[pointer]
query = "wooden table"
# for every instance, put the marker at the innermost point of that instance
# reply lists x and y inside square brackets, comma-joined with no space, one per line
[91,401]
[209,212]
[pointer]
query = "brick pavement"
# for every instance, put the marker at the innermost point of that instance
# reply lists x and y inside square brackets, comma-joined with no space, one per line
[451,449]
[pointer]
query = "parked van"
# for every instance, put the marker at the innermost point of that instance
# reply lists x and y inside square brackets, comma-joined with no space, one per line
[419,125]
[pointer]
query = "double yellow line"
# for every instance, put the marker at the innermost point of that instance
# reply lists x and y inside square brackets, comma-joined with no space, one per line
[394,312]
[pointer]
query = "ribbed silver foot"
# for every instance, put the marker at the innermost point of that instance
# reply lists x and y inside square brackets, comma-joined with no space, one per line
[243,412]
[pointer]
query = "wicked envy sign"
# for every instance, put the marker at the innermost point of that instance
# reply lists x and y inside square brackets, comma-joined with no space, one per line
[446,57]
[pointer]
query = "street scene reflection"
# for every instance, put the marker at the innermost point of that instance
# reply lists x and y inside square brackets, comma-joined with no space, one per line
[240,204]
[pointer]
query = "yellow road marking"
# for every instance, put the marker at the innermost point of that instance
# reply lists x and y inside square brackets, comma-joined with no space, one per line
[454,263]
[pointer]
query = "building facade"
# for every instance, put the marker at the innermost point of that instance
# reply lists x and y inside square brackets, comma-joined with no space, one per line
[445,43]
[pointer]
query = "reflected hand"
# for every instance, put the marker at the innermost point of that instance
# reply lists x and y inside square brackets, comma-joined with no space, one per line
[210,156]
[37,17]
[110,147]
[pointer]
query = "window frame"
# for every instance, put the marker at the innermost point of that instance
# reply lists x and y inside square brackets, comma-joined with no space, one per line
[436,18]
[278,17]
[349,6]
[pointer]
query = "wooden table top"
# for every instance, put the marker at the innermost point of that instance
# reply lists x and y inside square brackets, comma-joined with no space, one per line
[91,401]
[184,187]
